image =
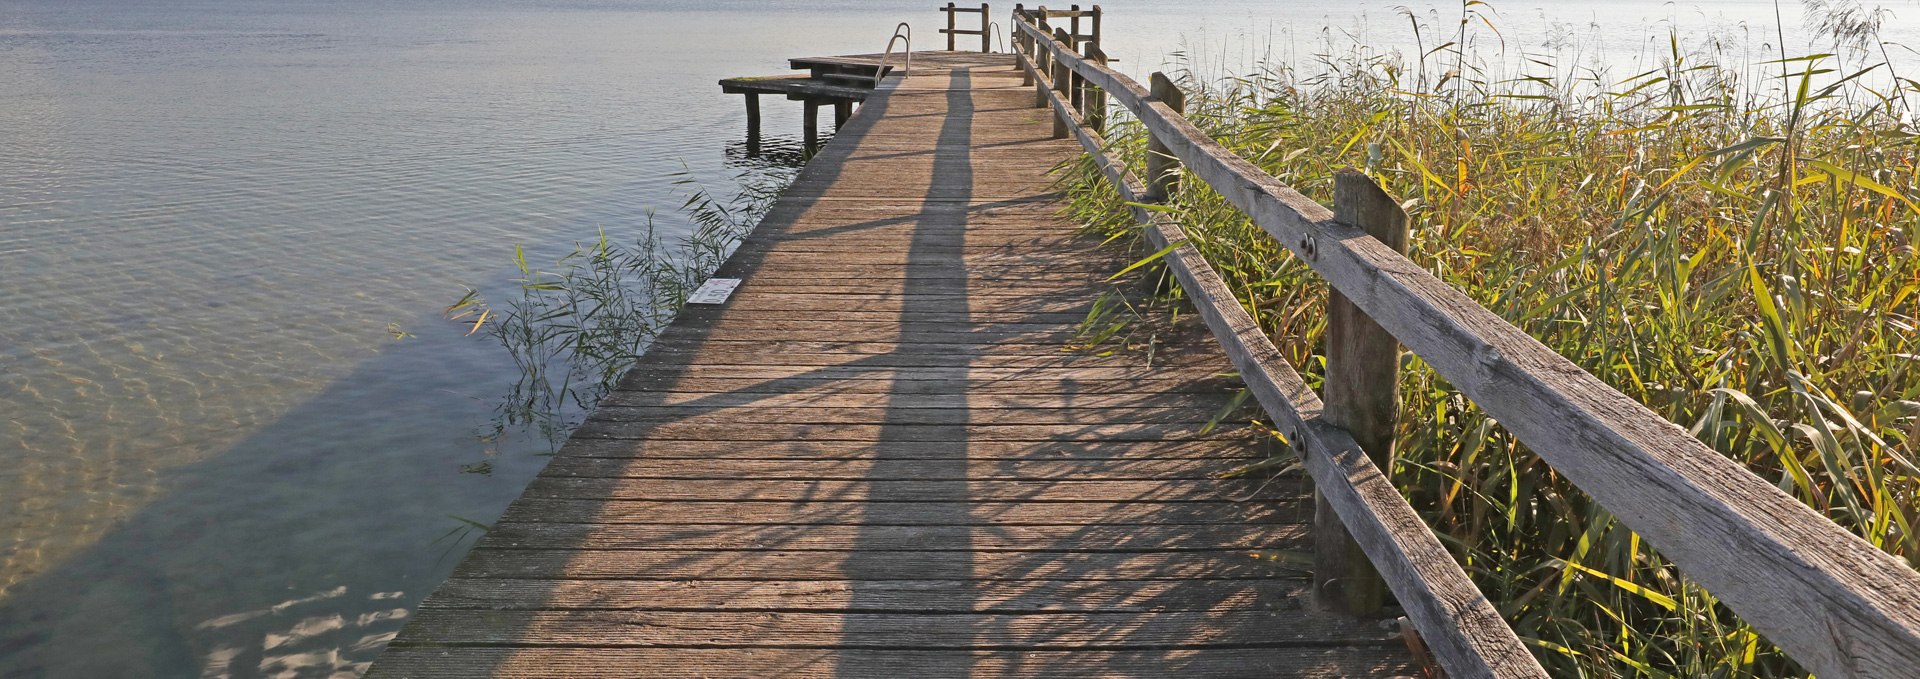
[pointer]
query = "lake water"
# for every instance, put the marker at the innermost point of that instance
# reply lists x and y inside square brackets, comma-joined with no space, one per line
[233,422]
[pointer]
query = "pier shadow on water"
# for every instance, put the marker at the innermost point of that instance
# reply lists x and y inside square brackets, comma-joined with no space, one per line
[302,549]
[298,551]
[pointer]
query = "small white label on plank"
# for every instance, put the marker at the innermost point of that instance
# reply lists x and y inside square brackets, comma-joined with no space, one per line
[714,291]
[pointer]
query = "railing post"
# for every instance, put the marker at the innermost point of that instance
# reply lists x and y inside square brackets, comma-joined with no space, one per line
[1063,83]
[1020,42]
[1362,396]
[1076,87]
[1042,61]
[1093,101]
[1163,170]
[986,28]
[1096,23]
[952,12]
[1073,42]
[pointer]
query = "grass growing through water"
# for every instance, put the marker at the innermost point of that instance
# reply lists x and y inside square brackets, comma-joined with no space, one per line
[573,329]
[1729,241]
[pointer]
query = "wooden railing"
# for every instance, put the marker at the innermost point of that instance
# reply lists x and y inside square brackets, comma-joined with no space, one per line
[1832,601]
[1074,17]
[953,30]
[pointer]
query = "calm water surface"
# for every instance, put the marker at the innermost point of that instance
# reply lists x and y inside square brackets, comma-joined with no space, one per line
[216,217]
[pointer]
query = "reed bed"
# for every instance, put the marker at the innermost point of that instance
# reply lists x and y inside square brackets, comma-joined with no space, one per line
[1728,239]
[572,327]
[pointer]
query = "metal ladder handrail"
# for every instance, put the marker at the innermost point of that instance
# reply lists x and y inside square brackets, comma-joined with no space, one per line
[881,74]
[994,27]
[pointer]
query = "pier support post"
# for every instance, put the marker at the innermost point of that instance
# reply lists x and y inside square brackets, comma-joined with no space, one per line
[753,124]
[810,124]
[1163,170]
[1362,396]
[842,110]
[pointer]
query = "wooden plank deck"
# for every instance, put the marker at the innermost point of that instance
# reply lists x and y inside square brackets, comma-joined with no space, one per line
[797,86]
[877,461]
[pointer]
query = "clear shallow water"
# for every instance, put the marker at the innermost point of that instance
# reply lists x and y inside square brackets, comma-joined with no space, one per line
[216,459]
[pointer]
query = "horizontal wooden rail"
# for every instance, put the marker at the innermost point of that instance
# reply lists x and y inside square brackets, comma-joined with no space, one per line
[1459,625]
[1835,603]
[1074,14]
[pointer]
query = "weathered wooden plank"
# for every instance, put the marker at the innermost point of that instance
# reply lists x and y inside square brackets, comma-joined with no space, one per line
[782,215]
[744,328]
[984,631]
[792,85]
[784,262]
[980,191]
[976,376]
[887,275]
[902,433]
[980,318]
[572,564]
[905,596]
[982,392]
[900,352]
[724,356]
[1012,301]
[1225,446]
[907,234]
[904,232]
[817,663]
[835,512]
[999,490]
[789,269]
[696,414]
[842,538]
[762,344]
[949,259]
[954,398]
[905,238]
[1803,581]
[975,469]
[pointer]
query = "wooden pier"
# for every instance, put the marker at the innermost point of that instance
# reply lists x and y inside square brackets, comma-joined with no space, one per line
[878,459]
